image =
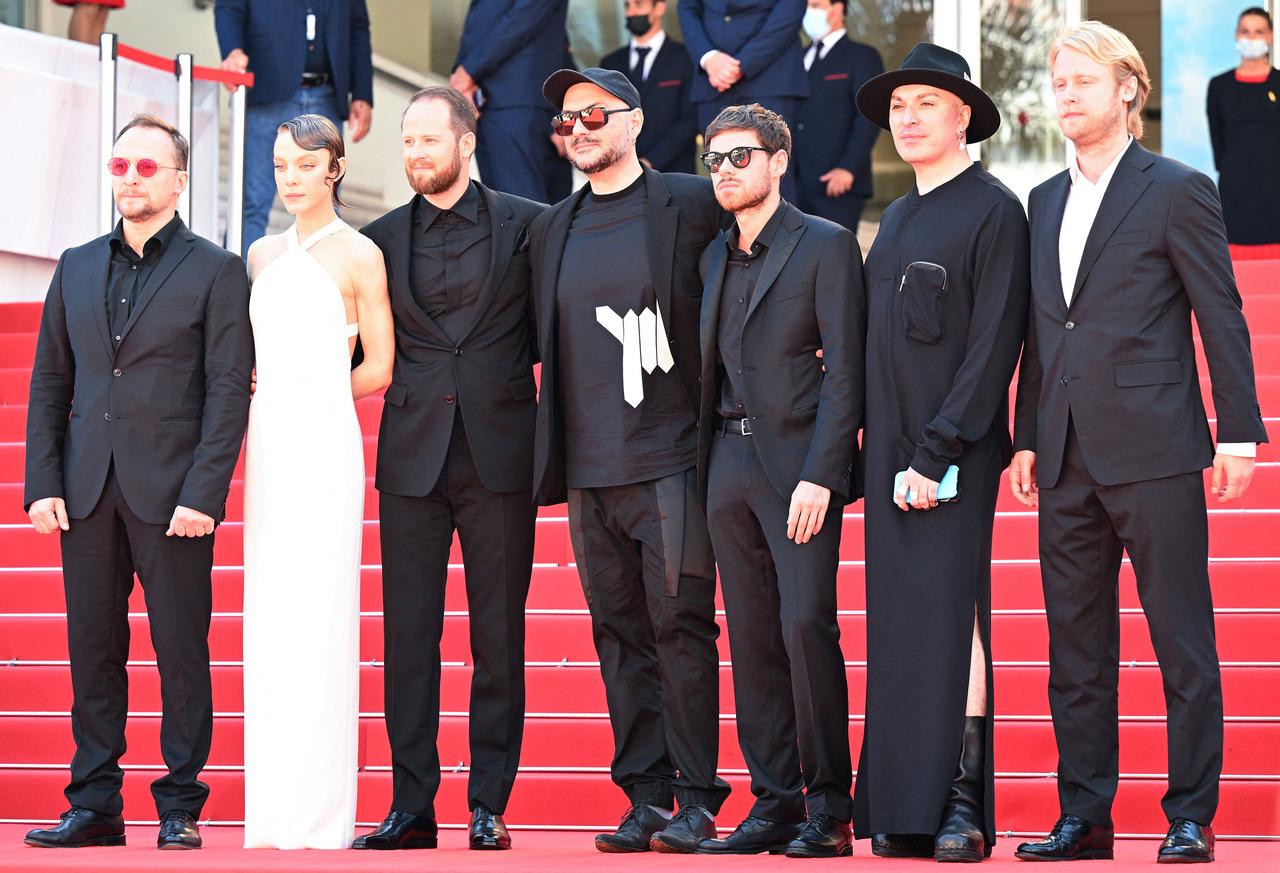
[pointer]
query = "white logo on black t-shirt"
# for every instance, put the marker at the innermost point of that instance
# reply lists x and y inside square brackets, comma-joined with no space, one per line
[644,345]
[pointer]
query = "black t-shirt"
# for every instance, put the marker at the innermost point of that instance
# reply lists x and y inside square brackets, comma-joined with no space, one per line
[626,415]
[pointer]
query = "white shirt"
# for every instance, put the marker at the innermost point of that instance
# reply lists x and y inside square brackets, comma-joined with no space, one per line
[823,46]
[1083,200]
[654,46]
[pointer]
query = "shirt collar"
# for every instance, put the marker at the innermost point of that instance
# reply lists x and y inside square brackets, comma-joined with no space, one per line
[158,241]
[468,207]
[765,238]
[1078,176]
[656,43]
[831,39]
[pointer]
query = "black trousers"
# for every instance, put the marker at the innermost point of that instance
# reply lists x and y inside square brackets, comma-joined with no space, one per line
[645,562]
[788,669]
[1162,524]
[100,554]
[496,534]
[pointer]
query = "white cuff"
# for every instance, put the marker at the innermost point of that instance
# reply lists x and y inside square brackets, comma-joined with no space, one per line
[702,61]
[1238,450]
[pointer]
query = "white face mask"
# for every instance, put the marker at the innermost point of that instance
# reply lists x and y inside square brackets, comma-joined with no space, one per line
[1252,48]
[815,23]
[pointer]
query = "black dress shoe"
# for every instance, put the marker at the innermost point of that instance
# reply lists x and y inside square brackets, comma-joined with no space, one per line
[400,830]
[962,836]
[488,830]
[687,829]
[639,823]
[754,836]
[79,827]
[178,830]
[902,845]
[822,837]
[1187,843]
[1072,839]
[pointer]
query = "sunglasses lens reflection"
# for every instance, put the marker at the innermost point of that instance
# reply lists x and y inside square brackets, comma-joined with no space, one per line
[118,166]
[146,168]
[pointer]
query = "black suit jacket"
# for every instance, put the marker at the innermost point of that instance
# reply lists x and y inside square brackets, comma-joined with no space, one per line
[809,296]
[830,131]
[681,217]
[670,124]
[1120,361]
[485,372]
[170,405]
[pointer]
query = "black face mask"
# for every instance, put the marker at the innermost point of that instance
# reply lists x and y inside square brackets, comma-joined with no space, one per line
[638,24]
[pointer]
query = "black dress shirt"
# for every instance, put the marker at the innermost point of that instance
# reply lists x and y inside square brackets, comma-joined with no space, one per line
[128,273]
[451,256]
[740,277]
[317,52]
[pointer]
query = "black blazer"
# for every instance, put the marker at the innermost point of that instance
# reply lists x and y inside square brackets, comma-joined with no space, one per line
[486,372]
[830,131]
[670,124]
[272,34]
[170,406]
[1120,362]
[681,217]
[809,296]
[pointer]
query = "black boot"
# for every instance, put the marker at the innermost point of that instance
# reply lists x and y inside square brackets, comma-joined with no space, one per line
[961,837]
[902,845]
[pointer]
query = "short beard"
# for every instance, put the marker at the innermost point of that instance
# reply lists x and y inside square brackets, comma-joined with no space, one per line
[604,161]
[441,180]
[139,214]
[747,198]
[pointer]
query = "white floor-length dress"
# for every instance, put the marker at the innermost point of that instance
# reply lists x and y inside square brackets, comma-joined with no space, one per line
[303,511]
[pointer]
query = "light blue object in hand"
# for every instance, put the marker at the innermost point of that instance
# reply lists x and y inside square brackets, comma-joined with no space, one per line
[948,488]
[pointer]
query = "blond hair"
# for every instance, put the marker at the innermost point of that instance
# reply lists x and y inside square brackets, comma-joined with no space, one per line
[1105,45]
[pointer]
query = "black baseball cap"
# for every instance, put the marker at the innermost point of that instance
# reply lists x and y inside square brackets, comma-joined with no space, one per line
[612,81]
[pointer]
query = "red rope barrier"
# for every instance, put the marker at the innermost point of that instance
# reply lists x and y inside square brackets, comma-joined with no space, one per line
[167,65]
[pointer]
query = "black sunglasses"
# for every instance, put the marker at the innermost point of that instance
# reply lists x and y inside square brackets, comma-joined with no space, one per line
[739,157]
[593,118]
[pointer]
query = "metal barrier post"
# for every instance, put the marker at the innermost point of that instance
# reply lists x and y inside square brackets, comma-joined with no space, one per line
[106,128]
[182,67]
[235,171]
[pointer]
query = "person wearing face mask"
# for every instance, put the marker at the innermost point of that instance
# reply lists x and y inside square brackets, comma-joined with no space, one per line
[1244,127]
[833,141]
[662,72]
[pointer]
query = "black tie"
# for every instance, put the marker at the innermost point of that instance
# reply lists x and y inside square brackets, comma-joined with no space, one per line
[816,50]
[637,71]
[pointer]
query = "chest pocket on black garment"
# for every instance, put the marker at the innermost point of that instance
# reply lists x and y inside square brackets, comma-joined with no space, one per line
[924,301]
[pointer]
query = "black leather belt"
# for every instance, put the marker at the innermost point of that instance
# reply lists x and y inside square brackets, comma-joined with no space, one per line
[739,426]
[311,80]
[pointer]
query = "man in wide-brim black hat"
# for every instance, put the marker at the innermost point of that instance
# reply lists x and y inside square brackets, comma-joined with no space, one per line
[947,286]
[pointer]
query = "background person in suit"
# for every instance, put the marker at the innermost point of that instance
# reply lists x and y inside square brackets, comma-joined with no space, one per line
[746,51]
[777,438]
[306,56]
[455,453]
[508,49]
[660,69]
[615,270]
[947,314]
[1112,439]
[139,401]
[833,141]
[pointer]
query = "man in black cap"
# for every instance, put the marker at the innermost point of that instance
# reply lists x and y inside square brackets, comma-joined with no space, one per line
[615,271]
[947,287]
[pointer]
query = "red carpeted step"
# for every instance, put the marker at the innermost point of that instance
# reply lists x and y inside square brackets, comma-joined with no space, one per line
[556,638]
[1021,690]
[21,317]
[591,799]
[1236,585]
[1256,279]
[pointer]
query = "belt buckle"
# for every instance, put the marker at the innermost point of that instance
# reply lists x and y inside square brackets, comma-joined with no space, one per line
[745,426]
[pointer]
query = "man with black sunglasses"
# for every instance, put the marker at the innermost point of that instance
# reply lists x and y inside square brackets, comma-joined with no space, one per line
[615,272]
[777,440]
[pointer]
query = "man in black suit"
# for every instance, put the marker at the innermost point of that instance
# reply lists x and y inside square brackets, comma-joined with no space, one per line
[455,453]
[833,141]
[777,437]
[139,402]
[1112,439]
[615,271]
[660,69]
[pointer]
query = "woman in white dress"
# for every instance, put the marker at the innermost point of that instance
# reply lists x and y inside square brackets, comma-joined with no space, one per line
[316,287]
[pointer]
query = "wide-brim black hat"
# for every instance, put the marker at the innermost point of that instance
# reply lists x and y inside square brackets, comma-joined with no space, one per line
[929,64]
[559,82]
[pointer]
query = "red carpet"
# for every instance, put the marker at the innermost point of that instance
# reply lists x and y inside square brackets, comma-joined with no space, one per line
[534,852]
[564,780]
